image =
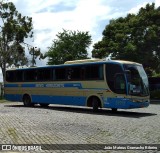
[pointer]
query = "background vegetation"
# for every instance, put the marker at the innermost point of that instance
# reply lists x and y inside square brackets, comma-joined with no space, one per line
[135,37]
[69,45]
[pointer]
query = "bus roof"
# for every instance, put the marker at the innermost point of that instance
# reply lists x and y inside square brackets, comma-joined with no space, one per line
[82,62]
[99,60]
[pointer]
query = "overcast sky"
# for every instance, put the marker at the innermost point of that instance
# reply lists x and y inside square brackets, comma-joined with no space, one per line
[51,16]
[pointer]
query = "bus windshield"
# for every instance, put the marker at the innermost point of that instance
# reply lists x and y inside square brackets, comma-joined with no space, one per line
[137,80]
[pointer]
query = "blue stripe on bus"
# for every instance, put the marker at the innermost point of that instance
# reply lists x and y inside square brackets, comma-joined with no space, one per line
[124,103]
[47,85]
[28,85]
[63,100]
[10,85]
[52,85]
[13,97]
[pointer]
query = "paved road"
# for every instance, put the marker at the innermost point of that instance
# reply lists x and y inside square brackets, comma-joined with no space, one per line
[71,125]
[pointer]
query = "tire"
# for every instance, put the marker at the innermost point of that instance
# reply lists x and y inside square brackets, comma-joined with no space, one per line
[44,105]
[27,101]
[95,104]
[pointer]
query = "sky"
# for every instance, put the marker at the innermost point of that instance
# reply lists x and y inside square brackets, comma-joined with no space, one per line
[52,16]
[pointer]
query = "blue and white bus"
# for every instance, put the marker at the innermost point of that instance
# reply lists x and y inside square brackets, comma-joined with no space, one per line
[93,83]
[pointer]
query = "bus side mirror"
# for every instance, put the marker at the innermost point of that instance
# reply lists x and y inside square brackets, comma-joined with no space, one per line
[120,83]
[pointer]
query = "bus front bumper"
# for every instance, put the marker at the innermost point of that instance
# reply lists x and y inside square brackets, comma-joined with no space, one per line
[125,103]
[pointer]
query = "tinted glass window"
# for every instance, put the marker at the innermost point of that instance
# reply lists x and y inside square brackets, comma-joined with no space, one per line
[59,74]
[10,76]
[88,72]
[14,76]
[19,75]
[44,74]
[30,75]
[111,71]
[93,72]
[74,73]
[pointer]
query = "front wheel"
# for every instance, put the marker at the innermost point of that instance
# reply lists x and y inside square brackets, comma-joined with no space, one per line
[27,101]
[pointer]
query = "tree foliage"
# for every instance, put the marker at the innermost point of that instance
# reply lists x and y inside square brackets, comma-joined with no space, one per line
[69,45]
[14,29]
[134,37]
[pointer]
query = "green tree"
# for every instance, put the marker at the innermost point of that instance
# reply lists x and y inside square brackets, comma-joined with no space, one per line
[69,45]
[14,29]
[135,37]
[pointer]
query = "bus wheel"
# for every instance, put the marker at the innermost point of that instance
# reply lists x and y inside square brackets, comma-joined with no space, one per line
[114,110]
[95,104]
[44,105]
[27,101]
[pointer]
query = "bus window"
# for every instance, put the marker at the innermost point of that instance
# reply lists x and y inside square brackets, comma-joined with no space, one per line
[119,84]
[14,76]
[60,74]
[94,72]
[44,74]
[111,71]
[19,76]
[30,75]
[74,73]
[10,76]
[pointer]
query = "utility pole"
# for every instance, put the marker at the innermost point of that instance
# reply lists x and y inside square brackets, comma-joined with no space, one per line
[35,52]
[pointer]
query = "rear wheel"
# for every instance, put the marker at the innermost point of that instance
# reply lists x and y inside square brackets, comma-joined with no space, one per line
[27,101]
[95,104]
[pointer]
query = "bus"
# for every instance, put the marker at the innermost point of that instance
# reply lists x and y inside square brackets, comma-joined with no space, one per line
[94,83]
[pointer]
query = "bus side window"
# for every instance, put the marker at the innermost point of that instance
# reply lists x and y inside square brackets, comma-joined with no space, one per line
[54,75]
[47,74]
[77,73]
[69,73]
[60,74]
[30,75]
[74,73]
[14,76]
[111,71]
[10,76]
[19,75]
[82,73]
[94,72]
[119,84]
[44,74]
[40,75]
